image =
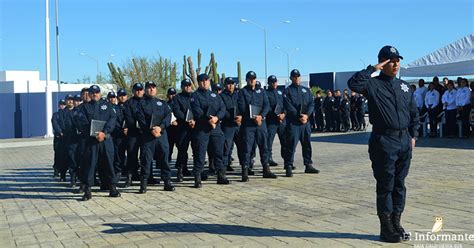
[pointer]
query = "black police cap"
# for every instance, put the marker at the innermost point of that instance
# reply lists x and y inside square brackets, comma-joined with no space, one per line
[251,75]
[62,102]
[149,83]
[138,86]
[389,52]
[171,91]
[111,95]
[186,82]
[202,77]
[121,92]
[77,98]
[229,80]
[295,73]
[217,86]
[94,89]
[272,79]
[85,89]
[69,97]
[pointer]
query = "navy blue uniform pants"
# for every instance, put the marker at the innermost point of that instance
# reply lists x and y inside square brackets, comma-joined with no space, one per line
[361,119]
[99,155]
[134,143]
[318,115]
[232,135]
[157,149]
[274,129]
[451,127]
[295,133]
[71,150]
[252,135]
[390,156]
[201,140]
[120,147]
[184,139]
[172,132]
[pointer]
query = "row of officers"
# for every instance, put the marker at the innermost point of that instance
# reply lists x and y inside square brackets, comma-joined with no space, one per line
[121,136]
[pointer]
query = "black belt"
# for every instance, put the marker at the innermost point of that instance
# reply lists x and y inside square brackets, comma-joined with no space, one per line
[391,132]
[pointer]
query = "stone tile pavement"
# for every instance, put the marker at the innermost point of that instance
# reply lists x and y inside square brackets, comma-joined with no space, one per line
[333,209]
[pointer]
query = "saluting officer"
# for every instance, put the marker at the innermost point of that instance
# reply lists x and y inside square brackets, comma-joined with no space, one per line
[133,133]
[299,104]
[208,110]
[182,111]
[275,118]
[253,129]
[394,116]
[154,116]
[99,149]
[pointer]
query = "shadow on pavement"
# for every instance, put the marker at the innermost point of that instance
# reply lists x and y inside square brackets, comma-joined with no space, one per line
[223,229]
[358,138]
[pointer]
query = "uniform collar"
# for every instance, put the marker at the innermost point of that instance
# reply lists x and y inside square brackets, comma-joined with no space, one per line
[386,77]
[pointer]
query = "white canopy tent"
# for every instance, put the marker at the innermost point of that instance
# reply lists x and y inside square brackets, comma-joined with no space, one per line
[455,59]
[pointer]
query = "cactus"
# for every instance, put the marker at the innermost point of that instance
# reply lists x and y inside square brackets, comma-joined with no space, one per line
[223,78]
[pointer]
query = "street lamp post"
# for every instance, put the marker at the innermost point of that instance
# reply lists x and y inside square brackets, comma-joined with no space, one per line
[96,61]
[287,52]
[264,38]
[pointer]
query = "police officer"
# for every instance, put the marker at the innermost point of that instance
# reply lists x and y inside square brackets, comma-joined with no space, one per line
[394,116]
[328,105]
[318,112]
[58,143]
[71,138]
[83,137]
[463,103]
[172,130]
[361,106]
[254,129]
[154,116]
[77,100]
[217,88]
[230,127]
[449,104]
[337,110]
[275,118]
[119,134]
[431,104]
[99,150]
[299,104]
[182,111]
[133,133]
[353,112]
[208,110]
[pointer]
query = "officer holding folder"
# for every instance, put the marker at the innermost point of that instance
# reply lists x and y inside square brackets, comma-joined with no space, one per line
[275,118]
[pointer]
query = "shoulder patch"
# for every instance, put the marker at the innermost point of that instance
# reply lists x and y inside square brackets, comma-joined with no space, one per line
[279,92]
[258,91]
[213,94]
[304,90]
[404,87]
[159,103]
[103,107]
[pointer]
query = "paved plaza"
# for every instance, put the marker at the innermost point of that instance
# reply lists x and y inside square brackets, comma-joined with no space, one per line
[335,208]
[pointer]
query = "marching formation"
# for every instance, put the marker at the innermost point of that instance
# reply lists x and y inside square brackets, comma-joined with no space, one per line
[99,140]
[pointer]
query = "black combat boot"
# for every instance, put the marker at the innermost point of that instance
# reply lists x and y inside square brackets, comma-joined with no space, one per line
[113,191]
[396,218]
[221,178]
[143,184]
[229,168]
[79,190]
[168,186]
[289,171]
[310,169]
[267,173]
[152,180]
[73,180]
[179,175]
[250,171]
[63,177]
[128,180]
[197,181]
[87,194]
[245,174]
[272,163]
[387,231]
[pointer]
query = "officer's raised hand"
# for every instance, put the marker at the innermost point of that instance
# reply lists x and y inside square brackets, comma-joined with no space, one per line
[156,131]
[100,136]
[238,119]
[380,65]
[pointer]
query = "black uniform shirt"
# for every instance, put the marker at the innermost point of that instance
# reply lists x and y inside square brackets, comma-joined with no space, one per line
[230,103]
[130,107]
[181,105]
[153,108]
[100,110]
[275,97]
[318,104]
[328,104]
[56,122]
[295,97]
[391,102]
[205,103]
[121,123]
[256,97]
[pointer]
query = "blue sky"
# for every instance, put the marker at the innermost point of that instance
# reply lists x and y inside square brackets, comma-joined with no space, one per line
[331,35]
